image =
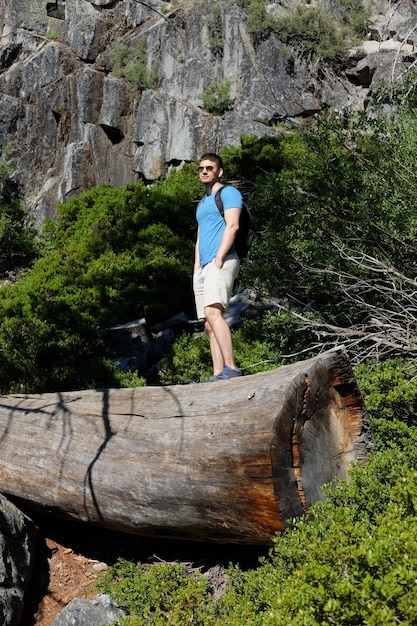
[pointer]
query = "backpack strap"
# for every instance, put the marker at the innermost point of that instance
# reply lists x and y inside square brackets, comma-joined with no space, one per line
[218,199]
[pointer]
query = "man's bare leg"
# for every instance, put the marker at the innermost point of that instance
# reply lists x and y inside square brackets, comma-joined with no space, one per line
[220,338]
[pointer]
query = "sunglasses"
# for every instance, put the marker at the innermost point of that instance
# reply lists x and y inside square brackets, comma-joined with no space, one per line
[209,168]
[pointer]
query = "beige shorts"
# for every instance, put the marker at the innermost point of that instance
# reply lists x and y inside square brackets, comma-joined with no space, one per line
[214,286]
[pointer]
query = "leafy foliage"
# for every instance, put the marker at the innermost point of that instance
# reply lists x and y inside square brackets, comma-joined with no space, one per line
[258,20]
[216,98]
[215,28]
[132,65]
[390,388]
[112,257]
[159,594]
[318,29]
[349,184]
[353,14]
[313,27]
[18,243]
[53,34]
[336,569]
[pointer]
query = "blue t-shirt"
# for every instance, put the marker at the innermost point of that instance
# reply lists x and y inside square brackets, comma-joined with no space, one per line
[212,224]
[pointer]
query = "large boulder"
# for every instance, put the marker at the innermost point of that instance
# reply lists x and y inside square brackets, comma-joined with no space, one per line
[17,548]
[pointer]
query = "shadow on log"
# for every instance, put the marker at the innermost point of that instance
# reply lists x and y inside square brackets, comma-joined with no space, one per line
[227,462]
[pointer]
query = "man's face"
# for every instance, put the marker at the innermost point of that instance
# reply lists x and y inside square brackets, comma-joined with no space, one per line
[208,172]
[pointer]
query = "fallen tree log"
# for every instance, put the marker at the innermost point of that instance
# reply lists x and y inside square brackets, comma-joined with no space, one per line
[229,461]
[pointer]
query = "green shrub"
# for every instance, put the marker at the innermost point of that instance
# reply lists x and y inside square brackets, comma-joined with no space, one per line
[132,65]
[52,34]
[110,259]
[401,92]
[18,238]
[258,20]
[324,32]
[353,562]
[319,29]
[163,594]
[215,28]
[257,158]
[216,98]
[188,360]
[349,183]
[390,389]
[354,15]
[313,27]
[126,379]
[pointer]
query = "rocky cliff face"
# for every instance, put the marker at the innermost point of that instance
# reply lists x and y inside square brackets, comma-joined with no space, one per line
[75,122]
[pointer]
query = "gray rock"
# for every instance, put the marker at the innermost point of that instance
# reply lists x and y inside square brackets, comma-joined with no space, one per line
[17,547]
[114,105]
[128,345]
[74,124]
[8,117]
[97,612]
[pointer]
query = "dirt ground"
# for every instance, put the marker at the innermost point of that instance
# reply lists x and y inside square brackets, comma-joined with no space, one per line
[68,562]
[71,556]
[70,576]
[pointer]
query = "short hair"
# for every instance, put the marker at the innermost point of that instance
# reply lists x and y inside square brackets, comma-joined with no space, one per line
[212,156]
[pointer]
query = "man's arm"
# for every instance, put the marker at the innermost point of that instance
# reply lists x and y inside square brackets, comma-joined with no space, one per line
[196,252]
[231,218]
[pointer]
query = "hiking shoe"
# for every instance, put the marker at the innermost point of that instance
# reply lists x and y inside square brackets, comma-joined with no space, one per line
[229,372]
[215,377]
[226,374]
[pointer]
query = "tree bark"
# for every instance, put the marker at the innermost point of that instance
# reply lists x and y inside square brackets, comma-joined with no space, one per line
[230,461]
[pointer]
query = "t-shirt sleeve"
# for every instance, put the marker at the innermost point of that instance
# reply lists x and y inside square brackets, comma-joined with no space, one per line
[232,198]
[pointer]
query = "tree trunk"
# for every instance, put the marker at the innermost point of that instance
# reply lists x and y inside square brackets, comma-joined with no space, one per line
[229,461]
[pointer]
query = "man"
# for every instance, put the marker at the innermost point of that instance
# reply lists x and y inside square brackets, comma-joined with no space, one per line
[216,264]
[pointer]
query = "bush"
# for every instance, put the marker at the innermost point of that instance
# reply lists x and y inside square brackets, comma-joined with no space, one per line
[133,67]
[215,28]
[313,27]
[110,259]
[216,98]
[188,360]
[390,389]
[164,594]
[337,570]
[258,22]
[324,32]
[349,184]
[18,238]
[322,29]
[354,15]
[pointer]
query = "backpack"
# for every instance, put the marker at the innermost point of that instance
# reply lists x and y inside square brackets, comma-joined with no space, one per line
[246,233]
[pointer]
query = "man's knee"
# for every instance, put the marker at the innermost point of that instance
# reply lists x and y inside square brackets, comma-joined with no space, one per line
[213,312]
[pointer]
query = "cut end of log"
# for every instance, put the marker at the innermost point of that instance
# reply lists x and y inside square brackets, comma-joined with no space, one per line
[331,429]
